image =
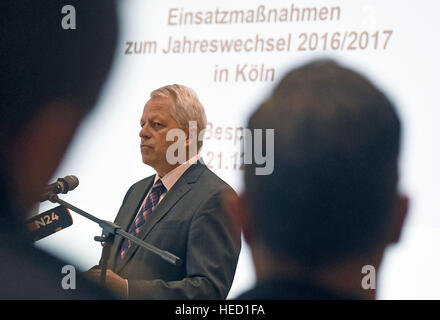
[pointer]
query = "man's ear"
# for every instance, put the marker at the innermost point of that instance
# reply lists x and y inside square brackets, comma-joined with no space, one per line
[239,213]
[398,218]
[191,142]
[37,149]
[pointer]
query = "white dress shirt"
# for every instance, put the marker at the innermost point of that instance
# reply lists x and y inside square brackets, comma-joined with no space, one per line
[171,178]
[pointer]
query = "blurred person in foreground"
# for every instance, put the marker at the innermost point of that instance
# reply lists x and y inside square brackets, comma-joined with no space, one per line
[51,79]
[331,205]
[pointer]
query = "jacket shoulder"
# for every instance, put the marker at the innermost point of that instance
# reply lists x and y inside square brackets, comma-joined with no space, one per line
[140,184]
[212,183]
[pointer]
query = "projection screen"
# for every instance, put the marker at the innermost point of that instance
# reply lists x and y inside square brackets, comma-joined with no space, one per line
[232,53]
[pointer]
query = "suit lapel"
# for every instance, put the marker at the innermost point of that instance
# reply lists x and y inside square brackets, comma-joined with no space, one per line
[126,216]
[181,187]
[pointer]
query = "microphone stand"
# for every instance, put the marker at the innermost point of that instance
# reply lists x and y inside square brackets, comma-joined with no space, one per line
[109,230]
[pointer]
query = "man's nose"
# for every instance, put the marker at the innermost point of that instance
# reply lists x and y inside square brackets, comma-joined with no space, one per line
[145,131]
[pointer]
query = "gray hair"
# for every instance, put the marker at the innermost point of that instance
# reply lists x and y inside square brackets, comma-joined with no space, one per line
[186,107]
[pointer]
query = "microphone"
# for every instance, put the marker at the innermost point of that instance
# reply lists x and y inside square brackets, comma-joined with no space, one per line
[62,185]
[49,222]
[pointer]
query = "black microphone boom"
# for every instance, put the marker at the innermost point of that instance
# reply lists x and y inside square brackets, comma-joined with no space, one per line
[109,229]
[62,185]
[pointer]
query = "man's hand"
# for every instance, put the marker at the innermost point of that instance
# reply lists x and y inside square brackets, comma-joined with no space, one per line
[113,282]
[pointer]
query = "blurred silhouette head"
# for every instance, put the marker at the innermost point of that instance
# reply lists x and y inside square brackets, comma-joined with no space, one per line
[333,192]
[51,78]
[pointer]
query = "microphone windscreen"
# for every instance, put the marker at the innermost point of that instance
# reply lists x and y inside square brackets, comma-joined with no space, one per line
[49,222]
[72,182]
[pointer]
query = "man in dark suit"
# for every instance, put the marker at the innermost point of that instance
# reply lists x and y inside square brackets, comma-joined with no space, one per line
[55,56]
[178,210]
[318,225]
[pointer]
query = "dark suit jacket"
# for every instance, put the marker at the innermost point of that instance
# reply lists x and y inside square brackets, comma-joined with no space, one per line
[190,223]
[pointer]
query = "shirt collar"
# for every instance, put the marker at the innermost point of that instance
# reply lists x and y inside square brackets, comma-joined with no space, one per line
[171,177]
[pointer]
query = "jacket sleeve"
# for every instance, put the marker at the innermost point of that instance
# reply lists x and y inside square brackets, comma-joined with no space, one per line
[211,259]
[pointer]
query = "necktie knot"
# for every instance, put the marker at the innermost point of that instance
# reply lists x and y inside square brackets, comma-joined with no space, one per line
[159,187]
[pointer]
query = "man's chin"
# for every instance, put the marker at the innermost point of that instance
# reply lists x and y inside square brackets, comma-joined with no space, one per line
[146,161]
[150,162]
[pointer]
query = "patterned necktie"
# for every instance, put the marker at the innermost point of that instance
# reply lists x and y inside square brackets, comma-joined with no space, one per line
[144,213]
